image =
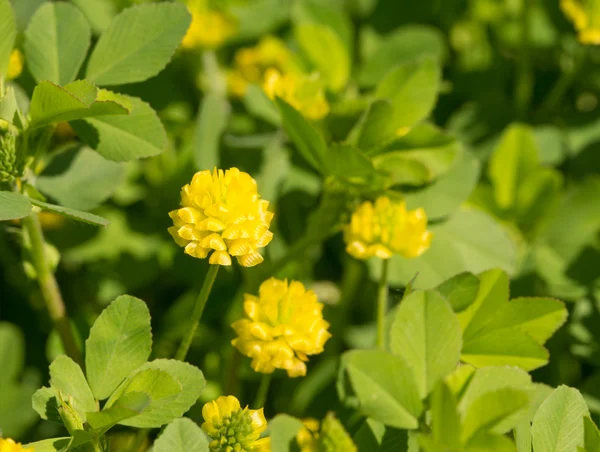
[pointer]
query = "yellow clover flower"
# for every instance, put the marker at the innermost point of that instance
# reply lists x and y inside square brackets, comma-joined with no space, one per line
[8,445]
[284,325]
[308,436]
[209,28]
[585,15]
[387,228]
[303,92]
[232,428]
[222,214]
[15,64]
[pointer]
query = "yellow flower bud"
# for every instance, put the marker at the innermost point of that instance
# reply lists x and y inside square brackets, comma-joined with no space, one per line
[209,28]
[585,18]
[284,325]
[232,428]
[303,92]
[222,215]
[15,64]
[387,228]
[8,445]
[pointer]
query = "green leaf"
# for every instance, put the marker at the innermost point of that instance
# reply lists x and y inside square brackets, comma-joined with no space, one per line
[45,403]
[326,51]
[445,194]
[13,206]
[558,424]
[504,347]
[12,352]
[316,11]
[490,411]
[50,445]
[376,126]
[122,138]
[282,431]
[119,342]
[99,13]
[383,385]
[426,334]
[405,44]
[412,89]
[165,410]
[9,106]
[350,165]
[131,404]
[333,435]
[51,103]
[515,158]
[8,33]
[210,125]
[77,215]
[181,435]
[538,317]
[591,435]
[56,42]
[445,421]
[308,140]
[460,290]
[258,104]
[67,378]
[86,181]
[537,197]
[138,43]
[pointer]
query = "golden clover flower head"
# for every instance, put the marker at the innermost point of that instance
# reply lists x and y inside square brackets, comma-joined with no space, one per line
[585,16]
[222,215]
[303,92]
[15,64]
[385,228]
[308,436]
[283,325]
[232,428]
[210,28]
[8,445]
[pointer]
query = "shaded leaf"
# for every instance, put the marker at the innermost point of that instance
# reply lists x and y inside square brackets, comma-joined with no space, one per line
[182,435]
[77,215]
[13,206]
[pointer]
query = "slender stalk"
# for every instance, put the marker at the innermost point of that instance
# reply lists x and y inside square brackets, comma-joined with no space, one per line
[382,303]
[524,80]
[198,310]
[139,439]
[263,390]
[49,288]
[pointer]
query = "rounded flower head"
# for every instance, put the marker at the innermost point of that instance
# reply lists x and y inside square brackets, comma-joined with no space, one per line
[303,92]
[284,325]
[8,445]
[232,428]
[222,215]
[585,16]
[387,228]
[209,28]
[15,64]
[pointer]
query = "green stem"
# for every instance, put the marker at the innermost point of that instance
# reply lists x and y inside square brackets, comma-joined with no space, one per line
[382,303]
[198,310]
[524,81]
[49,288]
[263,390]
[139,439]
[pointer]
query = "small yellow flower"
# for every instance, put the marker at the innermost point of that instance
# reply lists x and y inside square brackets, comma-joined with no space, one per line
[303,92]
[284,325]
[8,445]
[15,64]
[585,17]
[209,28]
[222,214]
[308,435]
[386,228]
[232,428]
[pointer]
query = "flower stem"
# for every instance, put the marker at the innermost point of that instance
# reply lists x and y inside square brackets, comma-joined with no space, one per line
[198,310]
[263,390]
[382,302]
[49,287]
[524,81]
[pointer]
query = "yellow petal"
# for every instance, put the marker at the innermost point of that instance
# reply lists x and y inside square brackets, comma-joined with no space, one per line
[220,258]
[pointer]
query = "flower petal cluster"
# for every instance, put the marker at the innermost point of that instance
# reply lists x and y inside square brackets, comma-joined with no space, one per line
[15,64]
[303,92]
[251,63]
[222,215]
[284,325]
[209,29]
[386,228]
[585,17]
[232,428]
[308,436]
[8,445]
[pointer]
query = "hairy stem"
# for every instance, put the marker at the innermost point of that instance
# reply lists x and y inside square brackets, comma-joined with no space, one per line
[382,303]
[263,390]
